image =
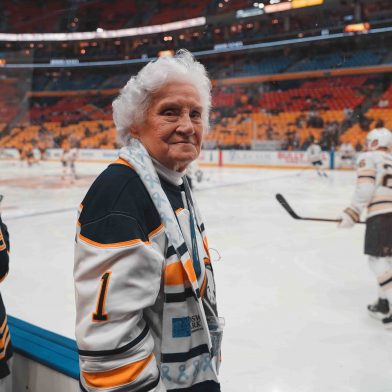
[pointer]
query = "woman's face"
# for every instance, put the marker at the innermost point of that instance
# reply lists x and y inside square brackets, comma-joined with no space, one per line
[173,129]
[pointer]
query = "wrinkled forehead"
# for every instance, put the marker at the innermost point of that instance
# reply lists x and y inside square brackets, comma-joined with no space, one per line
[181,92]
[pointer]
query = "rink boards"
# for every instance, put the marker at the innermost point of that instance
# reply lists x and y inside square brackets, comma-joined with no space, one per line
[229,158]
[293,294]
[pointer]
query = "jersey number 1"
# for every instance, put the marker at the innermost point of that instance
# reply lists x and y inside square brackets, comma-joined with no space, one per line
[100,314]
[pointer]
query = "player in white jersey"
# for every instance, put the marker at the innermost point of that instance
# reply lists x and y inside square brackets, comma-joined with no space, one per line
[374,192]
[68,159]
[347,154]
[315,157]
[194,174]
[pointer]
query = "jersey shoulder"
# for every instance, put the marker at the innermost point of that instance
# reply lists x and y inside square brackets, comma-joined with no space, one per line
[366,159]
[117,208]
[118,188]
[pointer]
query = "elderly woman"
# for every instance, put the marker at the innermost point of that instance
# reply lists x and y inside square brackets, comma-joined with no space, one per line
[145,292]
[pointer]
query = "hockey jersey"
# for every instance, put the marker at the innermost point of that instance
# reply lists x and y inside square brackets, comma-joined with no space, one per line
[347,150]
[314,153]
[128,280]
[5,337]
[70,155]
[374,184]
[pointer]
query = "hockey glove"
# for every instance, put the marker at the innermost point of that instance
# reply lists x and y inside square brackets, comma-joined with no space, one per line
[348,218]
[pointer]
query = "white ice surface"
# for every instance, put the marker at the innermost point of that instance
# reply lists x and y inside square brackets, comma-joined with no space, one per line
[293,293]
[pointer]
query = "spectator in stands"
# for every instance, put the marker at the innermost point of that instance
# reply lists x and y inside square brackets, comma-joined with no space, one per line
[314,119]
[379,124]
[5,344]
[348,113]
[295,142]
[307,142]
[300,121]
[145,292]
[358,146]
[364,122]
[270,132]
[383,103]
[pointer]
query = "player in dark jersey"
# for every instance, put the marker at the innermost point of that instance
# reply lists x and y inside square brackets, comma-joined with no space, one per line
[5,339]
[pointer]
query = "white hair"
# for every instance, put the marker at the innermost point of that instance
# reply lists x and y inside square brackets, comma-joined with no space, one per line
[131,106]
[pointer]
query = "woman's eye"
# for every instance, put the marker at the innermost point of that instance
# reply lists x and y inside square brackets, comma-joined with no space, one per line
[169,112]
[196,114]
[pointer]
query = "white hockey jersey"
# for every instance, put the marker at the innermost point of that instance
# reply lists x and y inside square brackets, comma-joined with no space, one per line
[374,184]
[314,153]
[70,155]
[347,150]
[140,323]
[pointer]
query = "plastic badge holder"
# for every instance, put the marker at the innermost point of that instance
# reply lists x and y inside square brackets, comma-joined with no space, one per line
[215,326]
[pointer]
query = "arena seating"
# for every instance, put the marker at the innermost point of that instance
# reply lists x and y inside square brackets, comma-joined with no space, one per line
[265,66]
[242,113]
[174,10]
[31,17]
[338,60]
[9,99]
[308,99]
[65,101]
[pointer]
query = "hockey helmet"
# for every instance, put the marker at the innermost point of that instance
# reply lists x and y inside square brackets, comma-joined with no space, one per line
[379,137]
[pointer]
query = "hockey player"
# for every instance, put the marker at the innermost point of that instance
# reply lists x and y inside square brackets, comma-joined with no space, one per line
[5,342]
[315,157]
[374,193]
[68,159]
[27,154]
[194,174]
[347,154]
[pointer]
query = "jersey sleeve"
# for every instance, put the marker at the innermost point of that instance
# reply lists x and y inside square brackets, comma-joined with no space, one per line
[365,183]
[117,275]
[4,250]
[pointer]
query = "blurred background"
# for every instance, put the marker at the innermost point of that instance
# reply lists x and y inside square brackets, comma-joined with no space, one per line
[283,71]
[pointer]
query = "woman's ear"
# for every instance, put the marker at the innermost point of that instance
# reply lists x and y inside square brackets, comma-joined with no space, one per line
[134,132]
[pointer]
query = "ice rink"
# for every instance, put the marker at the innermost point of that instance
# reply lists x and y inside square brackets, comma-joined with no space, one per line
[293,293]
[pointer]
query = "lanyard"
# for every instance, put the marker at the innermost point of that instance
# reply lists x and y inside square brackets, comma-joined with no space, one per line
[192,221]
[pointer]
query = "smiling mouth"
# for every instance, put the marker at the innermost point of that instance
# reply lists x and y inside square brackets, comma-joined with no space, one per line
[184,142]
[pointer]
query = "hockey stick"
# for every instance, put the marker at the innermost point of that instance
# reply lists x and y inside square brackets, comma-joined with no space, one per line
[288,208]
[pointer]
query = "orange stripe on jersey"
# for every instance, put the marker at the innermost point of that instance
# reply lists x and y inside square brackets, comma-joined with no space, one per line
[366,172]
[190,270]
[2,242]
[1,279]
[3,326]
[117,377]
[205,244]
[365,180]
[3,340]
[381,207]
[114,244]
[178,210]
[7,341]
[381,198]
[203,286]
[157,230]
[121,161]
[174,274]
